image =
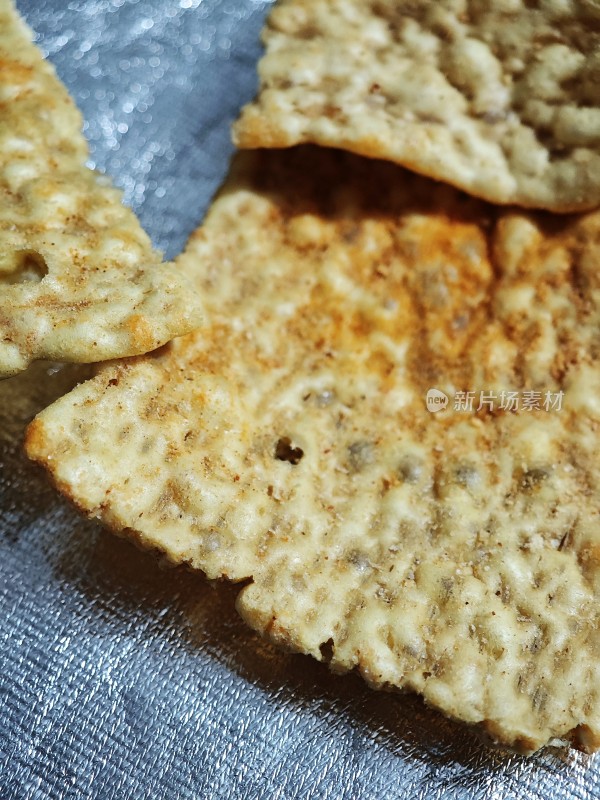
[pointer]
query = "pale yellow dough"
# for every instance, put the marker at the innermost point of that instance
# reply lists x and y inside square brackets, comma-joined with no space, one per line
[79,280]
[501,99]
[287,443]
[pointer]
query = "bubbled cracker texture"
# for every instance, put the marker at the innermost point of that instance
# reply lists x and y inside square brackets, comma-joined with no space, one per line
[500,99]
[287,443]
[79,280]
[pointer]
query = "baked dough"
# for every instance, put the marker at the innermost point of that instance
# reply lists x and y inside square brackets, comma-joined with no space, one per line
[288,443]
[501,99]
[79,279]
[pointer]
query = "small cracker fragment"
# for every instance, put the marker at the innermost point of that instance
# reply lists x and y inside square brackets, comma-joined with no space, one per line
[500,99]
[288,442]
[79,279]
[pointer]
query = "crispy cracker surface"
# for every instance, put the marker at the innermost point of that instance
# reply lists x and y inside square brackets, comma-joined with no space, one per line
[288,443]
[79,280]
[500,99]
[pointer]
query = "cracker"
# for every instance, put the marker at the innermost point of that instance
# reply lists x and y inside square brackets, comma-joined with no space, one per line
[288,443]
[79,279]
[500,99]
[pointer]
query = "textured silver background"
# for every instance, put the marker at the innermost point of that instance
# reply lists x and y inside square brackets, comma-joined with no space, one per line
[121,680]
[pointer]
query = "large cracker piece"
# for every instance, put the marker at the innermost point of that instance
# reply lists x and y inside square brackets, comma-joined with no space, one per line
[288,443]
[79,280]
[500,99]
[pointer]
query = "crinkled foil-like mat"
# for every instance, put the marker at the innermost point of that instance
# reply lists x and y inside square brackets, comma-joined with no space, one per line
[119,679]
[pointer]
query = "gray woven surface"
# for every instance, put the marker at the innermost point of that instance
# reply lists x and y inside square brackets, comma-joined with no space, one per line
[119,679]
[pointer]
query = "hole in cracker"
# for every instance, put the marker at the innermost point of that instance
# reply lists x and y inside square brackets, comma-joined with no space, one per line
[26,266]
[285,451]
[326,650]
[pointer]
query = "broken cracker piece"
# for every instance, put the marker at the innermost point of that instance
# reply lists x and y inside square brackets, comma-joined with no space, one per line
[289,444]
[79,280]
[500,99]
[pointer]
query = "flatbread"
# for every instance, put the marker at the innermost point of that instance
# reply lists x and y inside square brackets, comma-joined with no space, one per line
[79,280]
[288,443]
[500,99]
